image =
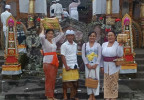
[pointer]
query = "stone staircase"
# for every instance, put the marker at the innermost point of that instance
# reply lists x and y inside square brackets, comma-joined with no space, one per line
[32,87]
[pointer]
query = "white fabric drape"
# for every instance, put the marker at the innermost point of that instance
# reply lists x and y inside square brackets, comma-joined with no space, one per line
[99,6]
[24,6]
[40,6]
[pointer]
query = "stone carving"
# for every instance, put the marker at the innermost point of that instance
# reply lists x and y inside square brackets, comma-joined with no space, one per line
[80,29]
[33,51]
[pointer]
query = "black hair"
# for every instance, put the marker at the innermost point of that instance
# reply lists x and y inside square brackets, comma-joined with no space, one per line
[91,33]
[73,0]
[112,32]
[49,30]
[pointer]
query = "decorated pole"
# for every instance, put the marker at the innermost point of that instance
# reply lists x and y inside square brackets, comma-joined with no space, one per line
[31,13]
[142,20]
[109,7]
[109,20]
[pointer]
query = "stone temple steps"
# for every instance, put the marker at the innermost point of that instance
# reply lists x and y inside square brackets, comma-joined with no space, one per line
[32,87]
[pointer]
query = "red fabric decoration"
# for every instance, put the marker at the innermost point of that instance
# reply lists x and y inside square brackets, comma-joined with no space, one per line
[11,59]
[101,18]
[129,58]
[18,22]
[117,20]
[38,19]
[107,30]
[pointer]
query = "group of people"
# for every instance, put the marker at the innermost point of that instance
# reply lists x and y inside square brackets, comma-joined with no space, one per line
[56,10]
[95,57]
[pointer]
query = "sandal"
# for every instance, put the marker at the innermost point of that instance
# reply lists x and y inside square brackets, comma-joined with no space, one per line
[55,99]
[50,98]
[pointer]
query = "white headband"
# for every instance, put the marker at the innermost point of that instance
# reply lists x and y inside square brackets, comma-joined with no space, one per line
[7,6]
[70,32]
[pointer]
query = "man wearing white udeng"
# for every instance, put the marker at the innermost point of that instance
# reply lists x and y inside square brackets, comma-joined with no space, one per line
[4,17]
[73,9]
[58,10]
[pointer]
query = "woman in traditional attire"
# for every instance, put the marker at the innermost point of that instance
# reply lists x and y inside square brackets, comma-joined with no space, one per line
[50,60]
[73,9]
[91,55]
[110,51]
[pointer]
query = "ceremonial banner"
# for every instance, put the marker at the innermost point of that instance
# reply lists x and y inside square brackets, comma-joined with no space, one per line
[23,6]
[99,6]
[40,6]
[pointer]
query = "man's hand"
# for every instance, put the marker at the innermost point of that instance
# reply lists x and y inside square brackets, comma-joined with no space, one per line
[102,70]
[67,68]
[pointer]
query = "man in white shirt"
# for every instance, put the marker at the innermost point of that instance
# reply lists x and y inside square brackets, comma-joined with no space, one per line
[4,17]
[58,10]
[70,67]
[65,13]
[52,8]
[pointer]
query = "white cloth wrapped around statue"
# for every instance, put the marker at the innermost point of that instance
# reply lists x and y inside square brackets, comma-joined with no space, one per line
[40,6]
[99,6]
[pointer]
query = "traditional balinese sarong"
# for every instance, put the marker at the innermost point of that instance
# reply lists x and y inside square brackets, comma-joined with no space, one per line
[73,85]
[111,85]
[59,16]
[71,75]
[50,78]
[74,13]
[70,80]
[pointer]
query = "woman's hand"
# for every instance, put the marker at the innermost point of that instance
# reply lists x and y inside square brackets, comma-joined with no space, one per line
[89,66]
[120,44]
[60,29]
[94,66]
[42,28]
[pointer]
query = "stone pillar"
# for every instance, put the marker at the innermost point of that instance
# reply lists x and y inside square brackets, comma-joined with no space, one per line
[109,7]
[142,20]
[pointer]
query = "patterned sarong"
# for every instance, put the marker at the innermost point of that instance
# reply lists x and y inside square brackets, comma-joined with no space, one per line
[111,85]
[50,78]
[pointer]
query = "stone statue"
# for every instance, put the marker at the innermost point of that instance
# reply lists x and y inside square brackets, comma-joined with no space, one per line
[33,49]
